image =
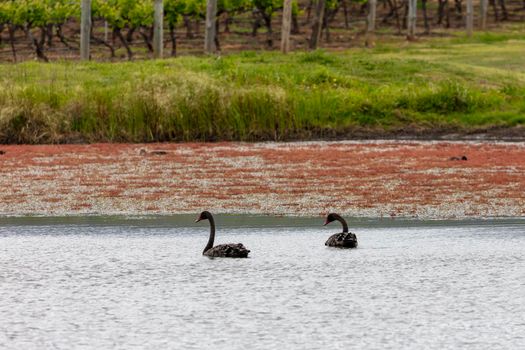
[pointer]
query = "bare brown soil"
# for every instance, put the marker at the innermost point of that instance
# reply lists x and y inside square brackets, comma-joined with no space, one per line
[379,178]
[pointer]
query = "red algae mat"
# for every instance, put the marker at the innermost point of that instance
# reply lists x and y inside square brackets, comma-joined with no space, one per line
[373,179]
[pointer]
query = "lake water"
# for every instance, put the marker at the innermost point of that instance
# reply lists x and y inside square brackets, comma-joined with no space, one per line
[142,283]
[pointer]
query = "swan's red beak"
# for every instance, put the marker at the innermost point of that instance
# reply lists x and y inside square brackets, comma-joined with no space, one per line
[198,219]
[326,222]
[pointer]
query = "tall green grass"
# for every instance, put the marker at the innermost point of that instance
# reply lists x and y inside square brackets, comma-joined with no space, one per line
[267,96]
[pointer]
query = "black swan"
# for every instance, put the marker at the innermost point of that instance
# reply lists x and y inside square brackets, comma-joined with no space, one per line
[458,158]
[143,152]
[344,239]
[229,250]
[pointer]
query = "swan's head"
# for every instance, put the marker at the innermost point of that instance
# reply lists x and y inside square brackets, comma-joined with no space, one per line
[205,215]
[330,218]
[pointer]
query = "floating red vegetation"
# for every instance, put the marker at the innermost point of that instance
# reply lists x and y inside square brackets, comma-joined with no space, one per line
[416,179]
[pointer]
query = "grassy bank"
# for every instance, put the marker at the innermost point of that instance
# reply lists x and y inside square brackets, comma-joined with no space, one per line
[443,84]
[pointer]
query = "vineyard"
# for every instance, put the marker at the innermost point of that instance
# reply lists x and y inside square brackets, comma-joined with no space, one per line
[123,29]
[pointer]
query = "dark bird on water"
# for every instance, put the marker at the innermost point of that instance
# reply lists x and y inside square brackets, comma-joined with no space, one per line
[230,250]
[143,152]
[458,158]
[344,239]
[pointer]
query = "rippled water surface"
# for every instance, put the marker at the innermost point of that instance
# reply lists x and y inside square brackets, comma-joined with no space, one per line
[143,284]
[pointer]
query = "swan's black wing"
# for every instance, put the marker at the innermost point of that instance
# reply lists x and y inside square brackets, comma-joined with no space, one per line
[342,240]
[230,250]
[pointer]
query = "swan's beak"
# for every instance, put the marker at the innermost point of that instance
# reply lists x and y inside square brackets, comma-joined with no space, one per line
[326,223]
[198,219]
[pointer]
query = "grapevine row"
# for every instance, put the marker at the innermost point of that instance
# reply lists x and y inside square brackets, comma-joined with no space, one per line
[40,20]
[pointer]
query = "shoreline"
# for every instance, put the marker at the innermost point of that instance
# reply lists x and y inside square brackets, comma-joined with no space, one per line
[493,134]
[236,221]
[374,179]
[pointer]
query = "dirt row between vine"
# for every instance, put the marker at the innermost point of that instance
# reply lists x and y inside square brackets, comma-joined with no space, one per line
[372,179]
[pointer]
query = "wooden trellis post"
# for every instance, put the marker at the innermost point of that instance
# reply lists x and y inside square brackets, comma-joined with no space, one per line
[210,30]
[411,20]
[85,29]
[287,25]
[158,26]
[484,6]
[470,18]
[371,22]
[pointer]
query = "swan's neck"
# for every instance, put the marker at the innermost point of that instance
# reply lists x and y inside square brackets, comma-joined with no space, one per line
[343,222]
[212,234]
